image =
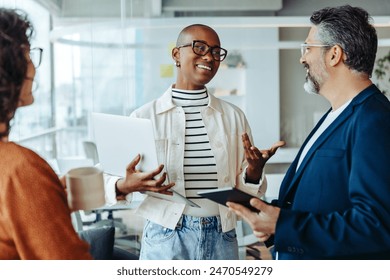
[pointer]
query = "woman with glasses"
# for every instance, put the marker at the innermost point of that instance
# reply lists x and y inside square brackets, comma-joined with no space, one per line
[35,219]
[201,139]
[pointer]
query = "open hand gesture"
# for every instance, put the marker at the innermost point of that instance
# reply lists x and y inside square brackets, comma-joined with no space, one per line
[257,158]
[137,181]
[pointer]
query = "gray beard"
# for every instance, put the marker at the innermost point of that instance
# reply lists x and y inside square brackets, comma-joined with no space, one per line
[309,87]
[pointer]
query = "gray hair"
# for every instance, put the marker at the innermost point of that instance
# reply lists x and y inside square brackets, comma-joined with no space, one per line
[350,28]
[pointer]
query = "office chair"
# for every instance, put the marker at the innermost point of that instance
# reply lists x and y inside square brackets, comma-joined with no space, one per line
[122,238]
[104,245]
[91,151]
[109,221]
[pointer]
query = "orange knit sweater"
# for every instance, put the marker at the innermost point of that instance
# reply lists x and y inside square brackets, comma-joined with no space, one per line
[35,219]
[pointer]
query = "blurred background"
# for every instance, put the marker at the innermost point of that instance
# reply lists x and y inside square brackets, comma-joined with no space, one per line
[112,56]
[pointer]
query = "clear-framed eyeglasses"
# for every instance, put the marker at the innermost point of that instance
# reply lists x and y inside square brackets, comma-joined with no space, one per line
[35,84]
[201,48]
[306,47]
[36,56]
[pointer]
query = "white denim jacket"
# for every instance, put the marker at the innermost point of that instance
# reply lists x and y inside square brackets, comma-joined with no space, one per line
[225,123]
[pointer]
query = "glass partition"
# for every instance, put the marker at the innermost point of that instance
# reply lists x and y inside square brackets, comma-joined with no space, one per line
[112,60]
[34,125]
[116,63]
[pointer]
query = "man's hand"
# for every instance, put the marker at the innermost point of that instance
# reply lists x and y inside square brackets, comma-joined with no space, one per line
[257,158]
[263,223]
[137,181]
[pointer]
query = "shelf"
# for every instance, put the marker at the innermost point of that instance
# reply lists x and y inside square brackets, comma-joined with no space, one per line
[284,155]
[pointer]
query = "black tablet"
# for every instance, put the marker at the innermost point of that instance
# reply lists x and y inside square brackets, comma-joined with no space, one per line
[232,194]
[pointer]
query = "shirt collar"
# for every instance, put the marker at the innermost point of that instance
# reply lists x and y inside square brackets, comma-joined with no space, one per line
[165,103]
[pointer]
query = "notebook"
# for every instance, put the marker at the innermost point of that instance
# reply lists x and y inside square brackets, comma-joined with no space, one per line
[119,139]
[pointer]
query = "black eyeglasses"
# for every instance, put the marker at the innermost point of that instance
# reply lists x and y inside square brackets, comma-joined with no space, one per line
[201,48]
[36,56]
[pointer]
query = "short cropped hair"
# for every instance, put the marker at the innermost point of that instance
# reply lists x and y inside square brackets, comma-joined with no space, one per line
[187,29]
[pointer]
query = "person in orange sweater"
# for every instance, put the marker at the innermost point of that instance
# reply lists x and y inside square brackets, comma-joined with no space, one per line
[35,220]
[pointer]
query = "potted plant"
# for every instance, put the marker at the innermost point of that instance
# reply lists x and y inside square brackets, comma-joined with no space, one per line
[382,74]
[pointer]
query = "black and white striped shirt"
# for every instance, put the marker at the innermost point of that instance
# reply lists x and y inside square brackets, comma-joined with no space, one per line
[200,170]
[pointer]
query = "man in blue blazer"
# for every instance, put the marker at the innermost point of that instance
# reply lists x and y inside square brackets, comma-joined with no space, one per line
[334,202]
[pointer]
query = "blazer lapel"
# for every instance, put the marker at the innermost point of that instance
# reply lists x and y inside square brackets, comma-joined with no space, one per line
[293,176]
[325,135]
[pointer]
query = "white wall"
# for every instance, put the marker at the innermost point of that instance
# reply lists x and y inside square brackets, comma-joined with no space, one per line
[258,82]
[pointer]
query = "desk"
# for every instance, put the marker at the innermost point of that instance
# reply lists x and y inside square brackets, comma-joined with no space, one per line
[79,224]
[120,205]
[125,239]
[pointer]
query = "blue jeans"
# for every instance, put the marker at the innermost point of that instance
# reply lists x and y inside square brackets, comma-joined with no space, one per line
[195,238]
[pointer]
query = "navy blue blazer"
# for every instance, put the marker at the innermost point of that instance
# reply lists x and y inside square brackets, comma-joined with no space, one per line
[337,205]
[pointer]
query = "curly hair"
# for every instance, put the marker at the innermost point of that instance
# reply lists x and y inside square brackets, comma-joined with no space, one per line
[15,33]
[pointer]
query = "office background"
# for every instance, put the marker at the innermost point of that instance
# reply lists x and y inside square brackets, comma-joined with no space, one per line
[112,56]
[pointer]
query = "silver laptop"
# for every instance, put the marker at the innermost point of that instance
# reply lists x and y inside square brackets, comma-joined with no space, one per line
[119,139]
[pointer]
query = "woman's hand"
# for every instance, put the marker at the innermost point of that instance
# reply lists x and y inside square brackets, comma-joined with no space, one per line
[137,181]
[257,158]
